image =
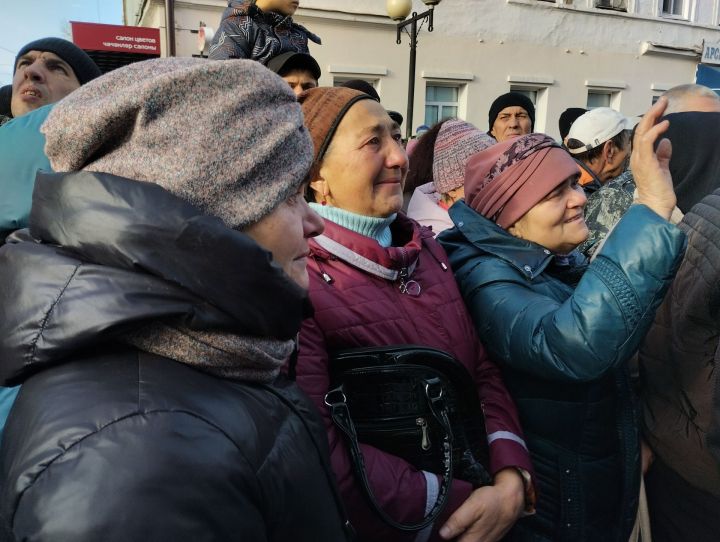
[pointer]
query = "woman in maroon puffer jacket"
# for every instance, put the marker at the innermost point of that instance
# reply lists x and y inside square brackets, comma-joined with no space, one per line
[378,278]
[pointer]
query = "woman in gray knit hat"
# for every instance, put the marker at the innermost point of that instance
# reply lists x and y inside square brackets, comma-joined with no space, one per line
[148,309]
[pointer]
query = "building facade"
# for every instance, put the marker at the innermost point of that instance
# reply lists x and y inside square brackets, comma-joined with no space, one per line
[562,53]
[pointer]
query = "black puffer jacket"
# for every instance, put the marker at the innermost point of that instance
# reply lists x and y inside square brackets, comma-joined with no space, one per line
[109,443]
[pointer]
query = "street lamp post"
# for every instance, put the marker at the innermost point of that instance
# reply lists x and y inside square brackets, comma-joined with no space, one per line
[398,10]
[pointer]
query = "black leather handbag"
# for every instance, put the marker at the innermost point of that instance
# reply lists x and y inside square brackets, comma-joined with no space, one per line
[417,403]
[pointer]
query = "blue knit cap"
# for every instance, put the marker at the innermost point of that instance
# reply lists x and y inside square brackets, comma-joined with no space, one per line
[84,67]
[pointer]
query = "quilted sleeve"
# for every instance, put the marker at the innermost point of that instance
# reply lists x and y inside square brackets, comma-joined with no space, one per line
[600,325]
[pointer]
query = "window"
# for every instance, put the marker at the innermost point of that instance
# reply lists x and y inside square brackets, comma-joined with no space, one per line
[441,102]
[598,98]
[673,7]
[538,95]
[616,5]
[530,93]
[339,80]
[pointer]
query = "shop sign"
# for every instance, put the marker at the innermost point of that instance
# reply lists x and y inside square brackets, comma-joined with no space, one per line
[711,53]
[110,37]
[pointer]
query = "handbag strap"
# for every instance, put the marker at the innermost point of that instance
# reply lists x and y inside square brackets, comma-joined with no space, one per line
[336,400]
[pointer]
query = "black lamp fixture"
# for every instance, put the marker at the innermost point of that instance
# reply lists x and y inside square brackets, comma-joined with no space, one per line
[398,10]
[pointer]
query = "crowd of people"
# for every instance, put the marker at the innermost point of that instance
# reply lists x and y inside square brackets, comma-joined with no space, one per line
[174,306]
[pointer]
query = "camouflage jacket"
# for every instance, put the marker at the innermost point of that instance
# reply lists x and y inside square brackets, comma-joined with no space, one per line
[4,119]
[605,207]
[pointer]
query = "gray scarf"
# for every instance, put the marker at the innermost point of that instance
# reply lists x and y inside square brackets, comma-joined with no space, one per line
[227,355]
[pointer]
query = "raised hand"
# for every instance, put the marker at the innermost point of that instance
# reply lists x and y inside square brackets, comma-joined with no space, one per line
[650,166]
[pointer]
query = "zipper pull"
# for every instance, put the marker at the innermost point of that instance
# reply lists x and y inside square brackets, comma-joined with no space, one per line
[402,275]
[409,287]
[425,442]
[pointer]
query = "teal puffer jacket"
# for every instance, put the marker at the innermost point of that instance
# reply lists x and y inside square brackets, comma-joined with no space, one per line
[562,331]
[22,154]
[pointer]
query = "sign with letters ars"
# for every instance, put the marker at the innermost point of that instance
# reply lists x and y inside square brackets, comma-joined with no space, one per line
[711,53]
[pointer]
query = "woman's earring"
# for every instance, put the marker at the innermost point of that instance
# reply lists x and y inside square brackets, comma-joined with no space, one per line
[324,201]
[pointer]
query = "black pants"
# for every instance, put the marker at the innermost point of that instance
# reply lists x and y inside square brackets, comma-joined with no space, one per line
[680,512]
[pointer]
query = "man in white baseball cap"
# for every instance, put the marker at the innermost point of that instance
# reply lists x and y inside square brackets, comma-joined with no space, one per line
[600,141]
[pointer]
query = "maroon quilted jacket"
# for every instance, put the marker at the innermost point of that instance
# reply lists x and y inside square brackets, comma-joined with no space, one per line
[354,307]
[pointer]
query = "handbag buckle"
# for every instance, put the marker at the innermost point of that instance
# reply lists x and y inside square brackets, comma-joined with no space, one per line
[433,385]
[338,395]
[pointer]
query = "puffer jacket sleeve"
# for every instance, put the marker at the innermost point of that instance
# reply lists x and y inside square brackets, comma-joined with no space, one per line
[400,488]
[505,436]
[234,38]
[599,326]
[138,479]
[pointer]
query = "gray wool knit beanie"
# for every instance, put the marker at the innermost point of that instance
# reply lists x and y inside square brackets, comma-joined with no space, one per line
[226,136]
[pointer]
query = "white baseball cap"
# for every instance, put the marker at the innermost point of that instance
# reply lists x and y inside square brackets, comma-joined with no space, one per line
[598,125]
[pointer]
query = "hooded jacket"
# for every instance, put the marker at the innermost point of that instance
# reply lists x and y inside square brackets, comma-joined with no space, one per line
[246,31]
[424,208]
[695,161]
[106,442]
[561,331]
[680,394]
[358,303]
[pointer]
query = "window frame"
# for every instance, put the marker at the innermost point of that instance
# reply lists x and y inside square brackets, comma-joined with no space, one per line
[459,87]
[541,101]
[610,7]
[613,93]
[685,10]
[340,79]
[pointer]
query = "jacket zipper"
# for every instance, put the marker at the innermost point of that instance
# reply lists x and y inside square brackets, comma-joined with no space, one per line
[409,287]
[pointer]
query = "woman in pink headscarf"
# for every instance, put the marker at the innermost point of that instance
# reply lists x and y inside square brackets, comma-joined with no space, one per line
[562,330]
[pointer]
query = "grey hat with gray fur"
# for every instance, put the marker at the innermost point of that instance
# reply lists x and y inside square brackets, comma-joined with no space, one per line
[226,136]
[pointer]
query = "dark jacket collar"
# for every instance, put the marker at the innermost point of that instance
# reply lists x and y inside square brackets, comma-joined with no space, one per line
[594,185]
[139,226]
[527,257]
[115,253]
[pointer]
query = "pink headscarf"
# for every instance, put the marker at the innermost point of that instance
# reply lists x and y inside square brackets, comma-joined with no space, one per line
[505,181]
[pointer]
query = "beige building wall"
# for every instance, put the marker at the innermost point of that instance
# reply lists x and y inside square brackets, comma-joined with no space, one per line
[561,52]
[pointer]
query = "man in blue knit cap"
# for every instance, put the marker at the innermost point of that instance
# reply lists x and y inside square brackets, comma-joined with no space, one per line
[47,70]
